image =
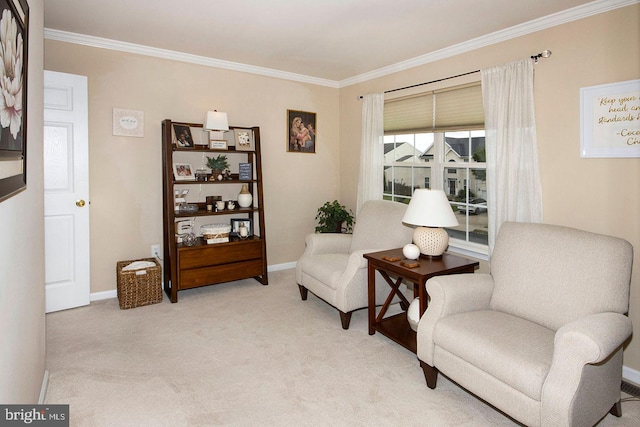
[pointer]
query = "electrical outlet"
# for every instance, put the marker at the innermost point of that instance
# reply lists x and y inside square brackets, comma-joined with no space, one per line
[155,251]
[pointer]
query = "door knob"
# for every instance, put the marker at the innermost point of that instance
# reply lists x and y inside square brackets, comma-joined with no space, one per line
[80,203]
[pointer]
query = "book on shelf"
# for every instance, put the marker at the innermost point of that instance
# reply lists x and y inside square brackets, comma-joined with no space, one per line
[217,240]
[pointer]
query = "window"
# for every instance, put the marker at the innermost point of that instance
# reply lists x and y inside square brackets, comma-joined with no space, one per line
[445,150]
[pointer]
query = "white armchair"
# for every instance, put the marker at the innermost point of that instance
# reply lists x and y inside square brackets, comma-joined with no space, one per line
[332,266]
[540,338]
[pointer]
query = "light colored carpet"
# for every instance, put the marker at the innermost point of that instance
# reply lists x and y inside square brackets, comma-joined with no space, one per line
[243,354]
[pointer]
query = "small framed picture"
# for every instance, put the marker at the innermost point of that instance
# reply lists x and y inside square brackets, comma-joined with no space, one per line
[182,134]
[218,144]
[244,139]
[183,172]
[237,223]
[245,171]
[302,131]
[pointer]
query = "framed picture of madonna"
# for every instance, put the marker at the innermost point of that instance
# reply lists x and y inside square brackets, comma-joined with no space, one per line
[302,131]
[14,23]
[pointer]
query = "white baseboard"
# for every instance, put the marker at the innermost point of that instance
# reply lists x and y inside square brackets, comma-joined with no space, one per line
[97,296]
[285,266]
[631,375]
[43,388]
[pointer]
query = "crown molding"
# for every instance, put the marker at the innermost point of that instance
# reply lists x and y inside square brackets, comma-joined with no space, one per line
[569,15]
[82,39]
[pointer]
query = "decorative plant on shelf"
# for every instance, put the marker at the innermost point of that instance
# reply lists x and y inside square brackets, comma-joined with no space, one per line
[218,164]
[332,216]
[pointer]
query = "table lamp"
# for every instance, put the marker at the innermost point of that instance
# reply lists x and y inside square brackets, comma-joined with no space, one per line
[216,123]
[430,210]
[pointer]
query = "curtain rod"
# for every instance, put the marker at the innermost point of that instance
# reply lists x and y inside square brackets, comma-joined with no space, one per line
[536,58]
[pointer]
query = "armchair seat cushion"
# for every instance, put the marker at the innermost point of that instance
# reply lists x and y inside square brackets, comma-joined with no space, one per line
[326,268]
[511,349]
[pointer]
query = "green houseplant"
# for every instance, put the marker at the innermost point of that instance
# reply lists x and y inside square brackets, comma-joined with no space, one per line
[331,217]
[219,163]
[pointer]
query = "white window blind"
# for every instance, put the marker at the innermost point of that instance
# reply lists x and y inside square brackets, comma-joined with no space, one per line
[456,108]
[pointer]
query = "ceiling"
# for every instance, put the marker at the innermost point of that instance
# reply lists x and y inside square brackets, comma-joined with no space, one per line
[324,39]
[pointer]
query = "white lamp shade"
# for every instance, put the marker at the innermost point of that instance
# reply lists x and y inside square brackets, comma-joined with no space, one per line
[430,208]
[216,121]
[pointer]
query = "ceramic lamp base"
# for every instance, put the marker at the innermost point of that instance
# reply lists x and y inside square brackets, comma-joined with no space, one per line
[432,241]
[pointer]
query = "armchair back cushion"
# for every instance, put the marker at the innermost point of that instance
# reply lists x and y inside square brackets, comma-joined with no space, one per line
[559,265]
[379,226]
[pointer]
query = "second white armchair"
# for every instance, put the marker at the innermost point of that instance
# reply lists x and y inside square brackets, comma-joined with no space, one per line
[332,266]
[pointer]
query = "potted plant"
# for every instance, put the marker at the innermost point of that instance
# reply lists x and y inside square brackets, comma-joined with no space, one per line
[217,164]
[332,216]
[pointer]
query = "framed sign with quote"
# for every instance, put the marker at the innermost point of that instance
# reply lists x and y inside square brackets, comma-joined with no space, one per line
[14,24]
[610,120]
[128,122]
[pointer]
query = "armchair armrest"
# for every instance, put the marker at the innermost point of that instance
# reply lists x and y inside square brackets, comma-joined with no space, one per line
[327,243]
[352,293]
[451,294]
[587,341]
[356,262]
[592,339]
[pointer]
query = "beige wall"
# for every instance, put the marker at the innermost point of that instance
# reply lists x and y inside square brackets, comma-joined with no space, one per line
[599,195]
[22,320]
[125,173]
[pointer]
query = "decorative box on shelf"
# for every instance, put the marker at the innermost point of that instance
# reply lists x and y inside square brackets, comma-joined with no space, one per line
[215,233]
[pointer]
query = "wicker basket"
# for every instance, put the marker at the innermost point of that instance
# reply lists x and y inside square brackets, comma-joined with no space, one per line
[139,287]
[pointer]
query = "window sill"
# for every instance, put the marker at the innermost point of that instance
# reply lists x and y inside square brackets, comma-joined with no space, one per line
[470,250]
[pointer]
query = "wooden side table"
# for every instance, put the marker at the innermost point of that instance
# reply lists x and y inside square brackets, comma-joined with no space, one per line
[397,327]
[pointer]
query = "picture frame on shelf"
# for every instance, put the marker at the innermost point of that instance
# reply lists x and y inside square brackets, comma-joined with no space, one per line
[182,137]
[236,223]
[244,139]
[13,136]
[302,131]
[218,144]
[183,172]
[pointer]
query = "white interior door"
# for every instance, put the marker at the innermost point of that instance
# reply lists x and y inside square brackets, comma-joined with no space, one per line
[66,191]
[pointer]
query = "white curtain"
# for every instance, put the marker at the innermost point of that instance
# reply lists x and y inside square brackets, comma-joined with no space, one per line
[514,192]
[370,180]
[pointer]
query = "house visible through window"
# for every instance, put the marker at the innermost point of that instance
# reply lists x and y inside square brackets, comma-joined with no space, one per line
[445,150]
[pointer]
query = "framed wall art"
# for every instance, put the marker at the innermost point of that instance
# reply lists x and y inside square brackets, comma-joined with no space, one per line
[244,139]
[302,131]
[610,120]
[128,122]
[14,38]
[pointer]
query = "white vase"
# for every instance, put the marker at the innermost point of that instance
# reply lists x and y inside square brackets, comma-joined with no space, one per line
[411,251]
[245,199]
